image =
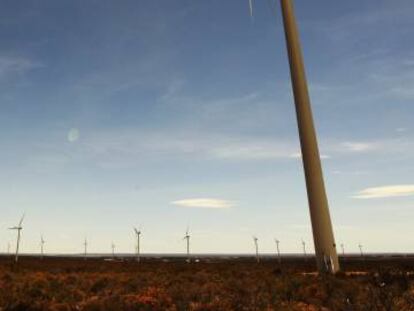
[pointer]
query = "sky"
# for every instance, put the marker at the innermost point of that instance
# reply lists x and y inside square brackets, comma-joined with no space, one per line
[172,114]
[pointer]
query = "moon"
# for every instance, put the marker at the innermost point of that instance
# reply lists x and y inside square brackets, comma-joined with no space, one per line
[73,135]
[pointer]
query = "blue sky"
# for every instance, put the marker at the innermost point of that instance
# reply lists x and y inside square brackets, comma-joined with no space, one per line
[116,115]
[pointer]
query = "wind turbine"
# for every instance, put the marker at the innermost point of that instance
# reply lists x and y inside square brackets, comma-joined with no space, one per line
[256,245]
[361,251]
[85,245]
[187,238]
[8,248]
[113,250]
[343,249]
[304,249]
[278,251]
[19,228]
[138,234]
[42,243]
[323,236]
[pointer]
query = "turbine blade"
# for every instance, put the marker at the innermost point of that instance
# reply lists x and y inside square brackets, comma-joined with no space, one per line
[251,7]
[21,220]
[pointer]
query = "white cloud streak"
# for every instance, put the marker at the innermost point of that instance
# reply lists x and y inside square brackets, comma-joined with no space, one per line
[204,203]
[128,143]
[386,192]
[298,155]
[16,65]
[120,148]
[360,146]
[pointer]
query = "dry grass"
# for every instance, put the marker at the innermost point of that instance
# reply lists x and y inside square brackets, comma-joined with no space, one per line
[68,284]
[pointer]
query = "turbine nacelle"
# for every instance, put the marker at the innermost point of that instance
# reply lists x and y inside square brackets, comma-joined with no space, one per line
[137,231]
[187,235]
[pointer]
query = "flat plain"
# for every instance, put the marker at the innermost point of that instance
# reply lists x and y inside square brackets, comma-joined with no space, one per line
[64,283]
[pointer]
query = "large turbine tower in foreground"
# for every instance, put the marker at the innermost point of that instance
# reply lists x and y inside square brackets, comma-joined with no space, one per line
[325,248]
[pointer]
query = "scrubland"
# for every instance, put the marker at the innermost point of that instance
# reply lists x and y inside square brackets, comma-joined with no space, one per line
[95,284]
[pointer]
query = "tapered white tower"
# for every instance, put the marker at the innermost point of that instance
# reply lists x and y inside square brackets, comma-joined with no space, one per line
[325,248]
[187,238]
[361,251]
[113,250]
[42,244]
[18,228]
[279,259]
[256,246]
[304,249]
[85,249]
[138,236]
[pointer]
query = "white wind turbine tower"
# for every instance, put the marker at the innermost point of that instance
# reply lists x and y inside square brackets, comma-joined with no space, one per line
[8,248]
[256,245]
[113,250]
[361,251]
[187,238]
[304,248]
[322,231]
[85,248]
[278,251]
[343,249]
[138,234]
[42,244]
[19,228]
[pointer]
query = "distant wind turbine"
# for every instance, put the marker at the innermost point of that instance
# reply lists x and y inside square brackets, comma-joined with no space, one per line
[42,243]
[113,250]
[8,248]
[19,228]
[138,234]
[361,251]
[304,248]
[278,251]
[85,245]
[343,249]
[187,238]
[256,245]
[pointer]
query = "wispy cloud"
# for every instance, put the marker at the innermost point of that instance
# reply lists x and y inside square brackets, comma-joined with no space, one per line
[298,155]
[385,192]
[131,143]
[16,65]
[401,130]
[250,150]
[360,146]
[204,203]
[387,146]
